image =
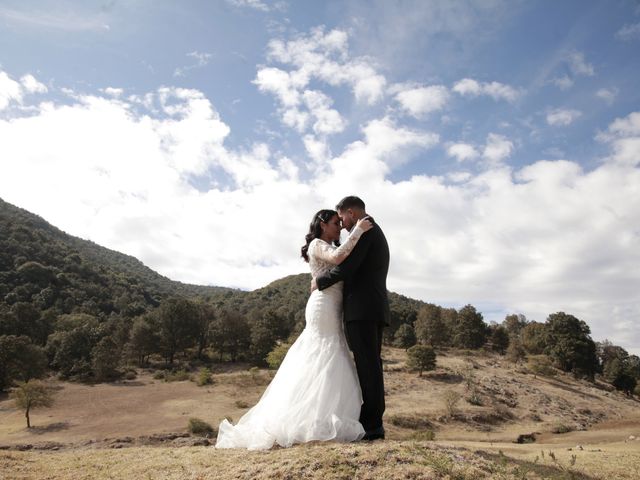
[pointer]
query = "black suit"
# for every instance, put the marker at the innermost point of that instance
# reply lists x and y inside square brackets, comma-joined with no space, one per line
[366,312]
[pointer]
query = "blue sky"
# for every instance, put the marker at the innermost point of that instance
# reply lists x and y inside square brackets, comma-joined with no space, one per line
[497,142]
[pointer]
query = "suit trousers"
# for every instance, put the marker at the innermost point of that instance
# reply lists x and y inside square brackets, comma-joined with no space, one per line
[365,341]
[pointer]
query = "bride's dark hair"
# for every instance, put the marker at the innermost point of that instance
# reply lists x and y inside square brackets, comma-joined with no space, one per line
[323,216]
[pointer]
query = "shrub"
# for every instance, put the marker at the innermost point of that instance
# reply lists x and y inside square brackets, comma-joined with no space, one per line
[474,397]
[276,356]
[562,428]
[241,404]
[541,365]
[204,377]
[413,421]
[130,375]
[503,412]
[199,427]
[424,435]
[178,376]
[450,398]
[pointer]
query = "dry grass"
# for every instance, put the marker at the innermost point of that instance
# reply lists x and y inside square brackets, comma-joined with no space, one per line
[513,403]
[381,460]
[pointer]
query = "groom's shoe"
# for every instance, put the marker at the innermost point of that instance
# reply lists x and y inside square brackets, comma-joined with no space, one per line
[375,434]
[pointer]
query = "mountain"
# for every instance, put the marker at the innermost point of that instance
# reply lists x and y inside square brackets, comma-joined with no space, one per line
[44,266]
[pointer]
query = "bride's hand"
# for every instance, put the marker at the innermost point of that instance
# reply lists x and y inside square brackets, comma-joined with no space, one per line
[365,224]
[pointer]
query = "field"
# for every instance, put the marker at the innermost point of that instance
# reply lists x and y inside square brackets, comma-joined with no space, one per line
[137,429]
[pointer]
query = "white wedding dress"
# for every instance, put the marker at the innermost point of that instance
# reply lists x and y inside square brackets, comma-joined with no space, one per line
[315,395]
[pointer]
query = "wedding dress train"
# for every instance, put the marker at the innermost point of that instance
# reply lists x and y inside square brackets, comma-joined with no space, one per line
[315,395]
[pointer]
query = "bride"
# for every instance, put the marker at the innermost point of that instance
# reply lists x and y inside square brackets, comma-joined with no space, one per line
[315,395]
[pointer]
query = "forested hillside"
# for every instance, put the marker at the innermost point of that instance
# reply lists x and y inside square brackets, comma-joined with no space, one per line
[86,311]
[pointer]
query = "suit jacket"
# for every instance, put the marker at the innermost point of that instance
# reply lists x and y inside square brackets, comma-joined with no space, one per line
[364,273]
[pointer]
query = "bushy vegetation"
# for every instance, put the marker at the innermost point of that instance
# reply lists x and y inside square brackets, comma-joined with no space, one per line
[197,426]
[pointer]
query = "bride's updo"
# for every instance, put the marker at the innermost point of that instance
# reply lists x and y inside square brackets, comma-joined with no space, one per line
[323,216]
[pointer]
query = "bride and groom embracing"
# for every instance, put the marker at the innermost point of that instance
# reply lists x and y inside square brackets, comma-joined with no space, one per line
[321,391]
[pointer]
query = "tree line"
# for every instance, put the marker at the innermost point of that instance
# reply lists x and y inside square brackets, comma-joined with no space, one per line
[563,338]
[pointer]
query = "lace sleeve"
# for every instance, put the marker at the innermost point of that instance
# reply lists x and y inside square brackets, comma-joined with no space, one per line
[336,256]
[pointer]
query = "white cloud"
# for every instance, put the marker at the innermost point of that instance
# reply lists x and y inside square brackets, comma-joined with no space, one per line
[325,57]
[623,135]
[123,179]
[459,177]
[607,94]
[419,101]
[497,149]
[562,117]
[282,84]
[468,86]
[578,64]
[626,127]
[113,92]
[564,82]
[31,85]
[534,240]
[10,91]
[328,121]
[462,151]
[318,150]
[629,32]
[495,90]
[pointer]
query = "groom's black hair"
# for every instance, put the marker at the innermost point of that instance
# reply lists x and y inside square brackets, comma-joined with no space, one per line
[350,202]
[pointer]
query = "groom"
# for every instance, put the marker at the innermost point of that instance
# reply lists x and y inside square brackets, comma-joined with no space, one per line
[366,309]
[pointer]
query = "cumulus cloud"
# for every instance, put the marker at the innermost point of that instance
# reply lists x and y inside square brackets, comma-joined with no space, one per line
[31,85]
[113,92]
[327,120]
[462,151]
[497,149]
[321,56]
[533,240]
[623,135]
[495,90]
[10,91]
[418,101]
[124,179]
[562,117]
[629,32]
